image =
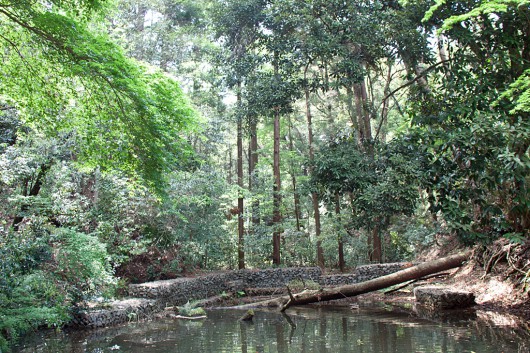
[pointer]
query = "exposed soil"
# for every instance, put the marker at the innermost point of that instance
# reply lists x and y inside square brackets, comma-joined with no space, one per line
[153,265]
[495,274]
[498,275]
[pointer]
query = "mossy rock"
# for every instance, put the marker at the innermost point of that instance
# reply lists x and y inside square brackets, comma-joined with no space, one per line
[437,297]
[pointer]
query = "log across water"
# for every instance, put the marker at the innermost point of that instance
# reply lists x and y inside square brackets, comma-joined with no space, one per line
[344,291]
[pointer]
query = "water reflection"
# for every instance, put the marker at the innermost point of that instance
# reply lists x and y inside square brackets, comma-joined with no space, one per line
[323,330]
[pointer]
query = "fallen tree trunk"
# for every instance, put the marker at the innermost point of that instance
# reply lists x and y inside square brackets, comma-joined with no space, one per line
[424,269]
[350,290]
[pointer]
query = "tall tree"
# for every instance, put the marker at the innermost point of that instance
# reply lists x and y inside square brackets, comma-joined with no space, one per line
[238,25]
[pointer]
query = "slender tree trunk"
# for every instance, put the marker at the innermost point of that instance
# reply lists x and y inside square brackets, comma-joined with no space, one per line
[297,208]
[314,196]
[442,53]
[342,263]
[276,217]
[140,17]
[365,127]
[296,195]
[139,25]
[240,201]
[230,166]
[252,164]
[377,253]
[277,198]
[382,129]
[361,103]
[353,112]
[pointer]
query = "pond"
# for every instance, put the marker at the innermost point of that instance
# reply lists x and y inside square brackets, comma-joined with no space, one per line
[316,329]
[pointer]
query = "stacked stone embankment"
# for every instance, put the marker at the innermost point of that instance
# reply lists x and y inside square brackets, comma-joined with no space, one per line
[181,290]
[152,297]
[363,273]
[116,312]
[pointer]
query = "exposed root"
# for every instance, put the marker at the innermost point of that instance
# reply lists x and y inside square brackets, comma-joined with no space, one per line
[510,259]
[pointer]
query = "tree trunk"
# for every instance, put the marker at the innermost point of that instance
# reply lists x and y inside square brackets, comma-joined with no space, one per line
[276,216]
[230,166]
[33,191]
[277,198]
[252,164]
[314,196]
[353,113]
[296,195]
[342,263]
[408,274]
[240,201]
[351,290]
[139,51]
[377,251]
[359,113]
[382,128]
[363,115]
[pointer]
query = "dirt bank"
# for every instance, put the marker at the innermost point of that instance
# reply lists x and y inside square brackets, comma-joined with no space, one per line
[498,275]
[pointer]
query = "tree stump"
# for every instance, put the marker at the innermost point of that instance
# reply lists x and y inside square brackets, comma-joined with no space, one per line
[443,297]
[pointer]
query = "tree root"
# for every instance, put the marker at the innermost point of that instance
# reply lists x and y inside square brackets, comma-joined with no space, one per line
[515,256]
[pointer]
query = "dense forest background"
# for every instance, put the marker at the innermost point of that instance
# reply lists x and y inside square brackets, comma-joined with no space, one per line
[142,139]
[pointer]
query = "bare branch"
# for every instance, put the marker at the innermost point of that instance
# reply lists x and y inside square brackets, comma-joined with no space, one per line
[417,78]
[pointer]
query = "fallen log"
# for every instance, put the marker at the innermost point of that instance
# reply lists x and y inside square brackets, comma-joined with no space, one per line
[350,290]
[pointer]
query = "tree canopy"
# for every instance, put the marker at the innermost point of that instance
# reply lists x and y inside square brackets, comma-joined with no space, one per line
[64,77]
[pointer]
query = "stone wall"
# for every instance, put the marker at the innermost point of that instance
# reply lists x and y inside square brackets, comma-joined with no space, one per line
[152,297]
[363,273]
[116,312]
[179,291]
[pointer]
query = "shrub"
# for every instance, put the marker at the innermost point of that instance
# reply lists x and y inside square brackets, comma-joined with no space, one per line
[82,261]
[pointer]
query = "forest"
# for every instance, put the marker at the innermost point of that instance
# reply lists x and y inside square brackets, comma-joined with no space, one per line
[147,139]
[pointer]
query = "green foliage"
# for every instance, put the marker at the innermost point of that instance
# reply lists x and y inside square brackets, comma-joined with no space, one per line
[519,94]
[409,236]
[191,309]
[44,274]
[474,122]
[485,8]
[379,187]
[29,296]
[83,262]
[192,217]
[124,114]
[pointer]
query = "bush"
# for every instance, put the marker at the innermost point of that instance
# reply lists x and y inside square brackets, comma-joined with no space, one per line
[191,309]
[44,275]
[82,261]
[29,297]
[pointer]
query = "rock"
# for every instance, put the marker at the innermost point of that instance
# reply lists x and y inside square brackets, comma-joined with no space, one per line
[249,315]
[437,297]
[235,286]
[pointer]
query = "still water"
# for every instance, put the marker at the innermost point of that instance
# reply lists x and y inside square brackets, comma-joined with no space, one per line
[325,329]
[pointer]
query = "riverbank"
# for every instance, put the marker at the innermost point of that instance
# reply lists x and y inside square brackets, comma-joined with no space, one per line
[495,289]
[491,274]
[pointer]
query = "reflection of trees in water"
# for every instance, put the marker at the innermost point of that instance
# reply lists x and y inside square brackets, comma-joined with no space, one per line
[243,331]
[302,330]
